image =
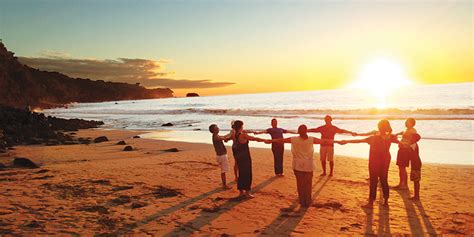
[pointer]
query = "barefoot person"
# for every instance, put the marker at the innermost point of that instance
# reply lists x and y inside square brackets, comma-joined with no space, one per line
[221,153]
[415,172]
[277,148]
[405,151]
[326,151]
[379,159]
[303,163]
[242,157]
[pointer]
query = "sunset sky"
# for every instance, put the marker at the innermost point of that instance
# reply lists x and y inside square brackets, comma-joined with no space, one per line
[221,47]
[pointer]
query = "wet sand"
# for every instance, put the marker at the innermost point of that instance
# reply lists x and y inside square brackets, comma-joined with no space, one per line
[101,189]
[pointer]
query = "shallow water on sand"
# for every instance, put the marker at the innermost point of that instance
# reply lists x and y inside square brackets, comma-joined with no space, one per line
[444,113]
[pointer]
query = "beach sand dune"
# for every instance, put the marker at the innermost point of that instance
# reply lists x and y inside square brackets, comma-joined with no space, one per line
[101,189]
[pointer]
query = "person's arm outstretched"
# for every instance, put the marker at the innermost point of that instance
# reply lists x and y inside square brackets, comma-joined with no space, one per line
[371,133]
[260,132]
[290,131]
[245,136]
[339,130]
[343,142]
[315,130]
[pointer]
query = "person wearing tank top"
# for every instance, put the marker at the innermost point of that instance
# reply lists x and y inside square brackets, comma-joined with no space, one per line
[241,150]
[303,163]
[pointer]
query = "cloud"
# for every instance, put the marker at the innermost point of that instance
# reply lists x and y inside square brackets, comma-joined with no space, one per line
[149,73]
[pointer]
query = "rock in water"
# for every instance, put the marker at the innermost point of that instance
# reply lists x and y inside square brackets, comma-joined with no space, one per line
[128,148]
[24,162]
[121,143]
[192,94]
[136,137]
[101,139]
[167,125]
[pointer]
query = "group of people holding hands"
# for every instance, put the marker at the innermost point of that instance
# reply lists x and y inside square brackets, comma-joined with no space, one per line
[302,150]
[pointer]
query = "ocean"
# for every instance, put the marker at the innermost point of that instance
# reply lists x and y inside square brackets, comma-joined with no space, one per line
[444,114]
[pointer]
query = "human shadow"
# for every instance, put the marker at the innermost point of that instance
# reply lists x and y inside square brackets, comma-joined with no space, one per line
[369,220]
[205,217]
[168,211]
[416,228]
[384,218]
[429,227]
[288,219]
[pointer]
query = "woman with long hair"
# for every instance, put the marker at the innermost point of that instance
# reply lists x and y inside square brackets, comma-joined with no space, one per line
[379,159]
[303,162]
[241,150]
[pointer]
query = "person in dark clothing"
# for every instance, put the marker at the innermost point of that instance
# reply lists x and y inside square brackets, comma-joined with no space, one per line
[326,151]
[277,148]
[415,172]
[379,159]
[242,157]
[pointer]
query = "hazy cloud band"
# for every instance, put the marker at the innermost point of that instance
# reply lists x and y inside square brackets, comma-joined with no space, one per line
[144,71]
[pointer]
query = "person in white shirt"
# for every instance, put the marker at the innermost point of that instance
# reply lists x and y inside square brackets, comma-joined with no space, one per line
[303,162]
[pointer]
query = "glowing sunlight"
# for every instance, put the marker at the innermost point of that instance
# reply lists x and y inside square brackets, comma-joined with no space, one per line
[380,77]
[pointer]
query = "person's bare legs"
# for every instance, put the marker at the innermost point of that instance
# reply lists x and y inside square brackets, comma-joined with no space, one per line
[224,181]
[323,165]
[331,168]
[403,176]
[416,196]
[236,171]
[369,205]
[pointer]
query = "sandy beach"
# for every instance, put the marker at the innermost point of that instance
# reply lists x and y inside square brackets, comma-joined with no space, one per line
[101,189]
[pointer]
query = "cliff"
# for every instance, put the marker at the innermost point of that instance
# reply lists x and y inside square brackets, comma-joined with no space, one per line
[21,85]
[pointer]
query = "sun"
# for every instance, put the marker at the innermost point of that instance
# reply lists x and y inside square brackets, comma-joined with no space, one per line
[380,77]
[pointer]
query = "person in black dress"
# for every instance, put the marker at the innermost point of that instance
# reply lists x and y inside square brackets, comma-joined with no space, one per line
[241,151]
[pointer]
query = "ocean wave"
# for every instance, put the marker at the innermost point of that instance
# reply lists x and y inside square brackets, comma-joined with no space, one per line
[351,114]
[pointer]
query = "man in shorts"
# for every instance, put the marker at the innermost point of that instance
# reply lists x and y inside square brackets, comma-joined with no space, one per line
[221,153]
[326,151]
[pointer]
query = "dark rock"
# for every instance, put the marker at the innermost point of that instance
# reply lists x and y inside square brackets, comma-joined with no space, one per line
[121,143]
[171,150]
[123,199]
[136,137]
[101,139]
[2,166]
[24,162]
[192,94]
[167,125]
[34,225]
[163,192]
[197,129]
[121,188]
[136,205]
[128,148]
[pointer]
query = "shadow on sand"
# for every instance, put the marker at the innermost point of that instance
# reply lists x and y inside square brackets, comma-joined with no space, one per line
[383,222]
[416,228]
[168,210]
[288,219]
[204,218]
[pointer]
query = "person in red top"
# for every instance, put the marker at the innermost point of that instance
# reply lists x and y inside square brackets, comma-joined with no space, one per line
[326,151]
[379,159]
